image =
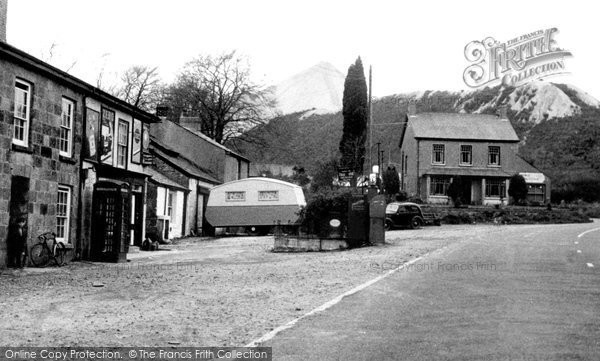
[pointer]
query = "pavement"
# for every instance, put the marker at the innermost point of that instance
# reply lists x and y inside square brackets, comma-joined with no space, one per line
[528,292]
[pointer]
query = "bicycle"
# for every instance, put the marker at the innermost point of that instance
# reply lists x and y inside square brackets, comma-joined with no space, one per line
[41,253]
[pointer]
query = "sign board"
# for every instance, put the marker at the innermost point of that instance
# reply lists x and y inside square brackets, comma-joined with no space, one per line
[345,174]
[533,177]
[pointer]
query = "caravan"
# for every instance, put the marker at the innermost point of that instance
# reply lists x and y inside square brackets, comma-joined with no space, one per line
[257,204]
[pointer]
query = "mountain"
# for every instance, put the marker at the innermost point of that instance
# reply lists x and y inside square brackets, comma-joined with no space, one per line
[558,124]
[318,89]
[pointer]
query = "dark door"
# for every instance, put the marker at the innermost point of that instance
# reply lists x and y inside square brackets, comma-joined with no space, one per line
[110,228]
[466,191]
[137,207]
[17,225]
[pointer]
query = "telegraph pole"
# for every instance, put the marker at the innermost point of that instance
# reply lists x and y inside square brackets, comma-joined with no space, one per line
[370,122]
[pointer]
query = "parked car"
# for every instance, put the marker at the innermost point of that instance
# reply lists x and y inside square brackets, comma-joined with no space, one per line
[407,214]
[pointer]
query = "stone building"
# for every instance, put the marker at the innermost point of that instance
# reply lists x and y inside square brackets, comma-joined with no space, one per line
[72,162]
[191,160]
[481,149]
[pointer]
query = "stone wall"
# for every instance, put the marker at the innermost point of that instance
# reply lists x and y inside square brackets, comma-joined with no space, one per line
[39,162]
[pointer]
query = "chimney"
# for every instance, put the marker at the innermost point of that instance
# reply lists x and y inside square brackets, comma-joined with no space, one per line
[3,10]
[412,109]
[503,112]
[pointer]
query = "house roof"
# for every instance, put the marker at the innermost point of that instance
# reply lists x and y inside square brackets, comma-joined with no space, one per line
[209,139]
[524,167]
[36,65]
[162,179]
[180,162]
[483,127]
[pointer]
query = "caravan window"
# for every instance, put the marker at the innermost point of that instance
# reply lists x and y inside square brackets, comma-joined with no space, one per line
[235,196]
[268,195]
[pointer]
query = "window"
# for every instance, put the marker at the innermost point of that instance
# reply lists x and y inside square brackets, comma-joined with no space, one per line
[136,147]
[22,112]
[63,210]
[268,195]
[122,143]
[170,203]
[391,208]
[536,193]
[495,188]
[466,155]
[235,196]
[107,134]
[439,186]
[438,154]
[493,155]
[66,126]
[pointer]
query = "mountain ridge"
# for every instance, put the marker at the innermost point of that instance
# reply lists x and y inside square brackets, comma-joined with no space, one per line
[558,125]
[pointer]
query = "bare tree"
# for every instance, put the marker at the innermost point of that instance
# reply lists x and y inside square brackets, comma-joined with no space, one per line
[219,92]
[140,86]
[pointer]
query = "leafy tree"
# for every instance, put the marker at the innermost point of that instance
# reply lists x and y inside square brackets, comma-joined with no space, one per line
[517,188]
[455,191]
[391,181]
[324,176]
[218,91]
[354,111]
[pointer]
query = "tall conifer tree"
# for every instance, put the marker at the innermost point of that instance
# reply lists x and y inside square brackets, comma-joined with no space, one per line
[355,110]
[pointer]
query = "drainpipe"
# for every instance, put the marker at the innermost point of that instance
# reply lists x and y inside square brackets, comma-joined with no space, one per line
[418,168]
[80,185]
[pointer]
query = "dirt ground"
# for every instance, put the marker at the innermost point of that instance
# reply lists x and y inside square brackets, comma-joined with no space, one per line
[220,292]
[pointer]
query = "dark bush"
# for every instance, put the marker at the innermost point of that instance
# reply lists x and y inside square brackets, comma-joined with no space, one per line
[321,206]
[455,191]
[401,196]
[517,188]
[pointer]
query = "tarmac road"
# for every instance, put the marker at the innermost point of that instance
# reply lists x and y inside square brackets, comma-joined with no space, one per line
[529,292]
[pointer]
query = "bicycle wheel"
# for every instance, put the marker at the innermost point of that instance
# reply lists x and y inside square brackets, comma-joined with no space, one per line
[39,254]
[59,253]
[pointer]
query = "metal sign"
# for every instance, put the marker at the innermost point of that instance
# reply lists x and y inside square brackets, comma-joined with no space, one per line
[345,174]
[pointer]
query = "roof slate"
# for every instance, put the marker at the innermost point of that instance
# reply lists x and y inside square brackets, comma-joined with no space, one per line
[462,126]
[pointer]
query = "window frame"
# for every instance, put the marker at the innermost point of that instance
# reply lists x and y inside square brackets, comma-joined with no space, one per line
[120,145]
[501,185]
[234,199]
[433,154]
[469,152]
[27,120]
[498,155]
[169,203]
[69,152]
[264,192]
[110,155]
[65,239]
[434,181]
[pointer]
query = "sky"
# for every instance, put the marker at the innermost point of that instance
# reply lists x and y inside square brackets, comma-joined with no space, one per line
[411,46]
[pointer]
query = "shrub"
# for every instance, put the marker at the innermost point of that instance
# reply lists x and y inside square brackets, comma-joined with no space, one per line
[401,196]
[517,188]
[321,206]
[455,191]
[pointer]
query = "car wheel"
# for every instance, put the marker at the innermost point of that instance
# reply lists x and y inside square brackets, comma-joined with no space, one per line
[416,222]
[388,225]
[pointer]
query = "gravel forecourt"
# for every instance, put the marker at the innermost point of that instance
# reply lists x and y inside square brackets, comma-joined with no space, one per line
[217,292]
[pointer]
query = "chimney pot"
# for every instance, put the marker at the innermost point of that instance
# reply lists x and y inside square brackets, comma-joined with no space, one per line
[3,11]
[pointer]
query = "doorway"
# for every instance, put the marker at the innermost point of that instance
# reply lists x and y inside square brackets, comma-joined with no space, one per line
[111,215]
[17,224]
[466,190]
